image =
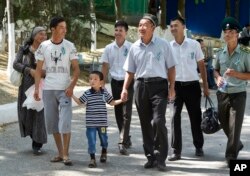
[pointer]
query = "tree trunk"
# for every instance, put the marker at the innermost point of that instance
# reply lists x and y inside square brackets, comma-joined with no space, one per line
[237,9]
[152,7]
[118,10]
[11,36]
[4,31]
[163,14]
[228,8]
[92,25]
[181,8]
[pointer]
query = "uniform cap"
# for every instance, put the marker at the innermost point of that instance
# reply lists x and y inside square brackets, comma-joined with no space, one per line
[230,23]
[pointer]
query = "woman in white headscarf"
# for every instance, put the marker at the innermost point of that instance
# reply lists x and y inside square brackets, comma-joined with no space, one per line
[31,122]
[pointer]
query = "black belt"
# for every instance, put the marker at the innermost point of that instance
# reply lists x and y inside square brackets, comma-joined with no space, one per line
[117,81]
[152,79]
[185,83]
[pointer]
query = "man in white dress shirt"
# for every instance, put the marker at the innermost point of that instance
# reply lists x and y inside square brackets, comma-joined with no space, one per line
[150,61]
[189,54]
[113,60]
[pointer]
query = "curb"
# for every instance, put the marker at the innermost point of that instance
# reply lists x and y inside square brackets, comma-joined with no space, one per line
[9,111]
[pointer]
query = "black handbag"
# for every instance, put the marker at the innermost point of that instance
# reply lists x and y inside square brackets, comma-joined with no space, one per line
[210,123]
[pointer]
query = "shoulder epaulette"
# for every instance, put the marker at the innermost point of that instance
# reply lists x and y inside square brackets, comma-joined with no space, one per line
[218,49]
[245,49]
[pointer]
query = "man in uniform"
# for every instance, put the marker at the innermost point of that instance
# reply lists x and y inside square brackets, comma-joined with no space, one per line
[232,70]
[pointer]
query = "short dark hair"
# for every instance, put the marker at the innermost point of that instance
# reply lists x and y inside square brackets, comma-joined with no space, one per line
[180,19]
[122,24]
[97,73]
[199,40]
[55,21]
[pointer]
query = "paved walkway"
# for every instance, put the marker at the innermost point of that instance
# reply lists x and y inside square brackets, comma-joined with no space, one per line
[16,156]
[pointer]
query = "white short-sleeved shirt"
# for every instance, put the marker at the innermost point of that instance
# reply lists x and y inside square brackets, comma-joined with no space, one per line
[187,54]
[152,60]
[115,56]
[57,60]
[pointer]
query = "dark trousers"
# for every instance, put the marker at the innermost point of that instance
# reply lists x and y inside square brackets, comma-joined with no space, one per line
[151,103]
[123,112]
[231,108]
[190,94]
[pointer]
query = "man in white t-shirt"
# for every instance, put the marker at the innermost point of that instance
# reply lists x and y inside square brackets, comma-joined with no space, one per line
[57,55]
[187,87]
[113,60]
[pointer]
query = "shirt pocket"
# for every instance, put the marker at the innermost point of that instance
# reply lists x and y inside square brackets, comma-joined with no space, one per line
[190,57]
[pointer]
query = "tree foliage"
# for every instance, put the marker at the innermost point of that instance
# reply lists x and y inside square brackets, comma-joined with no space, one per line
[39,12]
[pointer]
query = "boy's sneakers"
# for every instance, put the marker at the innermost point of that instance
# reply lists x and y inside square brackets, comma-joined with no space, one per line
[92,164]
[103,158]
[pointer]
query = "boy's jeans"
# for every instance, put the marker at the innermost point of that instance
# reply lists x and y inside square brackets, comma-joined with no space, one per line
[91,135]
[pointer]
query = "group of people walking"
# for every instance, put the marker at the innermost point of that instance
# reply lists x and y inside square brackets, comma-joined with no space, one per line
[152,71]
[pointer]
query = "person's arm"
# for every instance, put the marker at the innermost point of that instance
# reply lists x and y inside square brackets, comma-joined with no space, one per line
[105,69]
[76,72]
[219,78]
[77,100]
[115,102]
[203,73]
[128,79]
[38,75]
[18,62]
[238,75]
[171,80]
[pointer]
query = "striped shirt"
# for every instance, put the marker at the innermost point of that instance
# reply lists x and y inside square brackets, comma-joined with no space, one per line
[96,110]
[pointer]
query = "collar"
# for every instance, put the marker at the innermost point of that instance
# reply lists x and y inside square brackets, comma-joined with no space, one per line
[56,43]
[236,50]
[184,41]
[124,44]
[153,40]
[93,91]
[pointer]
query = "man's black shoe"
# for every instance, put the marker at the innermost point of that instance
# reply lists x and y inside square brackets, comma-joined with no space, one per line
[161,166]
[150,164]
[229,159]
[240,147]
[199,152]
[128,143]
[174,157]
[122,149]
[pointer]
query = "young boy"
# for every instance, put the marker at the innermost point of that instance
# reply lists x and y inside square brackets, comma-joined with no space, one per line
[95,100]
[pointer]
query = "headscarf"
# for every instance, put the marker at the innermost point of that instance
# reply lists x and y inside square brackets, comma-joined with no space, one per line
[36,30]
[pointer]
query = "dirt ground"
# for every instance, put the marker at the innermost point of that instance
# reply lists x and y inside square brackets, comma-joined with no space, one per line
[8,92]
